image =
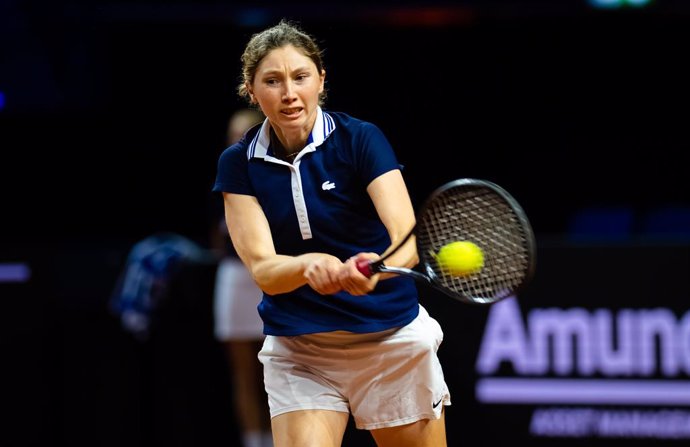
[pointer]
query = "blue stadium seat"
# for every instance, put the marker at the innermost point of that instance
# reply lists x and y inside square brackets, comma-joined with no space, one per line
[672,221]
[605,223]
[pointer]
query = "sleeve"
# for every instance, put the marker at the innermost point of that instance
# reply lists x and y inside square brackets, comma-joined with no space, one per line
[233,171]
[375,155]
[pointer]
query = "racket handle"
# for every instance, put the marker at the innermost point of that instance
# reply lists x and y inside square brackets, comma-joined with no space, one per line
[365,268]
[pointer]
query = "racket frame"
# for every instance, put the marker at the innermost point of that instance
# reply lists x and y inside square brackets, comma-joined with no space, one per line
[427,273]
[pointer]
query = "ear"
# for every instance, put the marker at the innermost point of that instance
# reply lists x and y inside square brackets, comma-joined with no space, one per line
[323,80]
[251,92]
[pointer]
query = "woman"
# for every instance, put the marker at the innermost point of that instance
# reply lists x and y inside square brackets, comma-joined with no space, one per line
[307,195]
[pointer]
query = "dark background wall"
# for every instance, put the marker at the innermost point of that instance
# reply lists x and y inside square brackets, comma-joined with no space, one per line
[114,115]
[115,112]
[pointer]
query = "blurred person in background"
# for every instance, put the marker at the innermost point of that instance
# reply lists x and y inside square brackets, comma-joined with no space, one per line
[237,323]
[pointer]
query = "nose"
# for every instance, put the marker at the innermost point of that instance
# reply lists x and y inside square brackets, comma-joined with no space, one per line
[289,92]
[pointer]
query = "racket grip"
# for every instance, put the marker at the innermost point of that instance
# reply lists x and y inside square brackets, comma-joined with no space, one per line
[365,269]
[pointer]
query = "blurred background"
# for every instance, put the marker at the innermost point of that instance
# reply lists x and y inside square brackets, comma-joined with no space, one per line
[113,115]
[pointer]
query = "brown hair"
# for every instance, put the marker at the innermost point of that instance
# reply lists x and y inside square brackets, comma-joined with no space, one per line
[280,35]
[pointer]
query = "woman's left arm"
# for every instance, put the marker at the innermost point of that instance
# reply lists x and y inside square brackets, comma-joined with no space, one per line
[394,207]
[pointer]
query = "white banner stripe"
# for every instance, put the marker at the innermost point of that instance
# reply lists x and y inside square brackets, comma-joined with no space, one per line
[583,391]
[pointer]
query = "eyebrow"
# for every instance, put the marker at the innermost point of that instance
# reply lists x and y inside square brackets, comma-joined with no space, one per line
[297,70]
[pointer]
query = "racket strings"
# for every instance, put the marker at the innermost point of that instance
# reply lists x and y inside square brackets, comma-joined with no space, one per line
[482,216]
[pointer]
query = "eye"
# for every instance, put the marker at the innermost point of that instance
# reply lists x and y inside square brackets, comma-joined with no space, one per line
[301,76]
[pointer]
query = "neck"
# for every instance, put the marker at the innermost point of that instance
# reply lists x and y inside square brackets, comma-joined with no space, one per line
[280,150]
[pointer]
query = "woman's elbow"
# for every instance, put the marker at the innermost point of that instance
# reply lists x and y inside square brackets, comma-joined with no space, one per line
[271,284]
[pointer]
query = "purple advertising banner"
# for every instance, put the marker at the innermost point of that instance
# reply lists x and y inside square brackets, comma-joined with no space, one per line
[596,351]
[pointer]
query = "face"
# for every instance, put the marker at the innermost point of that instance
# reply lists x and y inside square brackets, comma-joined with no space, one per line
[287,87]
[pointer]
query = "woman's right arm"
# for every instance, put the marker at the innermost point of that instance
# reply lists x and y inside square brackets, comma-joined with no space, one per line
[274,273]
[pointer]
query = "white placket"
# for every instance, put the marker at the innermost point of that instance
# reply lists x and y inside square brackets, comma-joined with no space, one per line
[298,200]
[297,191]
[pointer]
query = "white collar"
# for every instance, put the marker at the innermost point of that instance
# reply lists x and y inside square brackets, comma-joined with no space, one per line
[323,126]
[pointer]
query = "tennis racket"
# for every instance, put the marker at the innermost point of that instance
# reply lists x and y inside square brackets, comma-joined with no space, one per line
[484,214]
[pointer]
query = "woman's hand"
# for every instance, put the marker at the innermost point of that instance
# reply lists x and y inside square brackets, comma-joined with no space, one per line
[352,280]
[323,274]
[328,275]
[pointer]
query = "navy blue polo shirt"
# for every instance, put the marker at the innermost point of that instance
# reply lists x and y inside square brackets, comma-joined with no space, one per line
[319,203]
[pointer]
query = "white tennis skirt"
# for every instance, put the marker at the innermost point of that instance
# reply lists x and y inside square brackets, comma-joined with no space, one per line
[384,379]
[235,301]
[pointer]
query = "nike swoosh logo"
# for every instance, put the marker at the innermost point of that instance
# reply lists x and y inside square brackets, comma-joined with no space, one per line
[327,185]
[438,403]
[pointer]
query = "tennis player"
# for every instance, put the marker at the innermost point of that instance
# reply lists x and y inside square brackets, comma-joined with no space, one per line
[307,194]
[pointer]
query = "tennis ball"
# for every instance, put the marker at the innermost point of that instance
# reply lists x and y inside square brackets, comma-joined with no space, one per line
[460,258]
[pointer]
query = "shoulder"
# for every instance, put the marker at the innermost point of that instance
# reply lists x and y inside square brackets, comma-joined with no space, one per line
[364,144]
[235,151]
[352,125]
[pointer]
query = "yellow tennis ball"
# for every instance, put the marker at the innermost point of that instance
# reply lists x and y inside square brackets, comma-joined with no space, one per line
[460,258]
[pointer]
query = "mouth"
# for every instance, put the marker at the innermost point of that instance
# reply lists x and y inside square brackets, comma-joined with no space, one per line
[291,112]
